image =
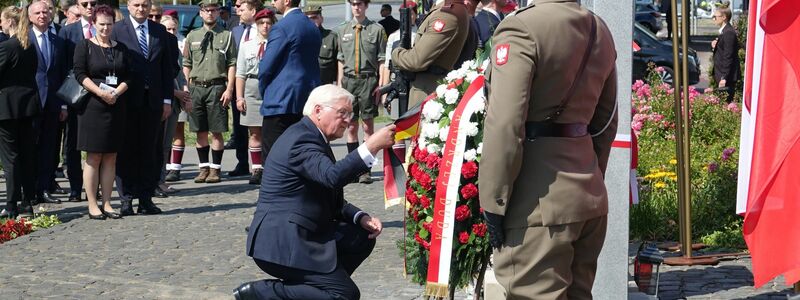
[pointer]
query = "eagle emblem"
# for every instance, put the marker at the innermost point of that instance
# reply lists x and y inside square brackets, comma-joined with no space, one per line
[501,54]
[438,25]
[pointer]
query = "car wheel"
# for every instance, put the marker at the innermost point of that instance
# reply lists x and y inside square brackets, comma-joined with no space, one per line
[666,75]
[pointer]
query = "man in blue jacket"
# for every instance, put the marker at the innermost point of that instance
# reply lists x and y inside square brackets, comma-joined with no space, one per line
[303,232]
[288,72]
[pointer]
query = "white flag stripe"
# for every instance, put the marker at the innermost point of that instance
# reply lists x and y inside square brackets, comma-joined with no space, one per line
[621,137]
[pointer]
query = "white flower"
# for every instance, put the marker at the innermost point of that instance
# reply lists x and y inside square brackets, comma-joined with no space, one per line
[432,110]
[450,115]
[451,96]
[470,64]
[485,65]
[471,154]
[433,148]
[430,130]
[422,142]
[480,148]
[440,90]
[480,107]
[471,75]
[453,75]
[443,132]
[471,128]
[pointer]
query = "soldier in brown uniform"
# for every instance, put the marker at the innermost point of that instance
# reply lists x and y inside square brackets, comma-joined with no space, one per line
[439,41]
[551,118]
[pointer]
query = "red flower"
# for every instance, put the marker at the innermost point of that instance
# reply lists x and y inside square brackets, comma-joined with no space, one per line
[425,244]
[420,155]
[415,215]
[469,169]
[462,212]
[428,226]
[424,180]
[432,161]
[425,202]
[480,210]
[479,229]
[411,196]
[469,191]
[463,237]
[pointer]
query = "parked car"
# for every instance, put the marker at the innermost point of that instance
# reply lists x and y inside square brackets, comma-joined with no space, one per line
[649,49]
[648,16]
[188,16]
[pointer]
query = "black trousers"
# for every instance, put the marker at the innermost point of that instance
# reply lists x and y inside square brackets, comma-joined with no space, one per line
[240,137]
[352,246]
[138,165]
[272,127]
[72,157]
[18,154]
[47,128]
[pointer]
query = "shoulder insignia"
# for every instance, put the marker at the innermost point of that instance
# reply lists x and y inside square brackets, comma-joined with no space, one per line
[438,25]
[501,54]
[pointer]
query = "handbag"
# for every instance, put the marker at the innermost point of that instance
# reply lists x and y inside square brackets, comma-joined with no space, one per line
[72,91]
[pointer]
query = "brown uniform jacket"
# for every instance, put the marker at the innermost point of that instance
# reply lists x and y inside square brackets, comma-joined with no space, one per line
[440,39]
[536,57]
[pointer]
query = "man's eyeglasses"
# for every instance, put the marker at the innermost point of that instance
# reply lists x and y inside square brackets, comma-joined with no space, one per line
[210,10]
[87,3]
[344,114]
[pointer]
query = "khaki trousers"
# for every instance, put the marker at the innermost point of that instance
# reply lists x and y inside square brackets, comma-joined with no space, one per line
[555,262]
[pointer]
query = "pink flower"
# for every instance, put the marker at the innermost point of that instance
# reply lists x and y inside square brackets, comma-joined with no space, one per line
[708,90]
[660,69]
[733,107]
[637,85]
[637,127]
[656,117]
[712,167]
[643,92]
[711,99]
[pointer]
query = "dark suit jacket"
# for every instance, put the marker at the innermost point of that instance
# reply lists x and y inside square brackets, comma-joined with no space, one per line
[49,77]
[3,36]
[156,71]
[726,56]
[19,96]
[290,69]
[487,22]
[72,35]
[301,201]
[390,24]
[238,30]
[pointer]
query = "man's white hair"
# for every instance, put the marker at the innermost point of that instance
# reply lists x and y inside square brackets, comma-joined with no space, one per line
[328,94]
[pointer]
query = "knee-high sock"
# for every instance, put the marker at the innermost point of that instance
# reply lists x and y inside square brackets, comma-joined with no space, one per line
[255,157]
[202,156]
[176,158]
[216,159]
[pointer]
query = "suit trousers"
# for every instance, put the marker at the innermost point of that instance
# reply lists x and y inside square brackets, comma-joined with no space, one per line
[272,127]
[47,127]
[352,246]
[72,157]
[239,138]
[138,162]
[553,262]
[18,154]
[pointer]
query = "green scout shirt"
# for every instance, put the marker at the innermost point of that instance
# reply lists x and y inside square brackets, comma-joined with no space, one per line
[371,49]
[219,54]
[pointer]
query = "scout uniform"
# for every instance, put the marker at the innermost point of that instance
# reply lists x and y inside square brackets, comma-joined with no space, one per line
[328,63]
[439,41]
[362,49]
[545,178]
[210,54]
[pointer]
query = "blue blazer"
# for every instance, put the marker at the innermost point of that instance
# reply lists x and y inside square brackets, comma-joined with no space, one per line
[157,70]
[237,32]
[487,23]
[301,201]
[50,76]
[289,69]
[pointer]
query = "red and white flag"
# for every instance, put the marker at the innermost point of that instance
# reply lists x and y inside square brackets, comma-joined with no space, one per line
[769,162]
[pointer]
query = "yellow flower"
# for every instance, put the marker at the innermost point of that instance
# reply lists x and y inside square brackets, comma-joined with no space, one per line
[659,185]
[673,162]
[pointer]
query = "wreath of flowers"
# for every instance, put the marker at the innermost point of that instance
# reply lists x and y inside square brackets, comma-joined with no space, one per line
[470,244]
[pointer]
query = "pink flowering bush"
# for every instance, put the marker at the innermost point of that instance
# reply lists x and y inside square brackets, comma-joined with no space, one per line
[714,135]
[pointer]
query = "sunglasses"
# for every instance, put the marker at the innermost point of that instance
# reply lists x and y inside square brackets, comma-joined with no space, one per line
[155,16]
[86,4]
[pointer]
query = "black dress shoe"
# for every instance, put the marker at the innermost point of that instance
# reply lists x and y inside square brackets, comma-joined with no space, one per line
[256,177]
[47,198]
[75,198]
[56,189]
[245,292]
[127,208]
[147,207]
[159,193]
[97,217]
[25,211]
[110,214]
[239,172]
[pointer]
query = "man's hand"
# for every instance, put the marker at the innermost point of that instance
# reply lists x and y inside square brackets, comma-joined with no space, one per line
[185,98]
[226,98]
[63,115]
[723,83]
[381,139]
[373,225]
[166,111]
[376,96]
[714,44]
[494,224]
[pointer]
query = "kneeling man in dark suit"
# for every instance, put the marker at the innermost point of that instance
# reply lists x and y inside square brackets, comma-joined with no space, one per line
[303,232]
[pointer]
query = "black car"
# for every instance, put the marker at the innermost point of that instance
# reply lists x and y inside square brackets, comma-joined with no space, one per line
[648,16]
[647,48]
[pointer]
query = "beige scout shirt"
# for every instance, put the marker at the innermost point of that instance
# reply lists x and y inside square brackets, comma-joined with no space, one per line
[247,60]
[361,50]
[219,54]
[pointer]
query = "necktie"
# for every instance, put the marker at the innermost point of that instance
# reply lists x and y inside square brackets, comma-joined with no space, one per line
[88,33]
[261,50]
[246,33]
[143,40]
[357,64]
[45,49]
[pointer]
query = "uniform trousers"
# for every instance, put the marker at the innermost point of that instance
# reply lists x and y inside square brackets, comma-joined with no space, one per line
[550,262]
[272,127]
[352,247]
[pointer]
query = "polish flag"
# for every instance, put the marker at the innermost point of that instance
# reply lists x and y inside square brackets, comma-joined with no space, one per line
[769,162]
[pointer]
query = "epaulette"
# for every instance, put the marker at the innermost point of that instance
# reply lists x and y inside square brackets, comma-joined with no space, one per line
[519,10]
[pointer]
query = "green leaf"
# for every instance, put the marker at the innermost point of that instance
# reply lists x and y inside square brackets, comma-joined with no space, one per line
[423,233]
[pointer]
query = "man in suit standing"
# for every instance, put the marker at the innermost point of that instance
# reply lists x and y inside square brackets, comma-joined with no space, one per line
[726,53]
[303,231]
[288,71]
[550,122]
[488,18]
[242,32]
[152,60]
[389,23]
[50,73]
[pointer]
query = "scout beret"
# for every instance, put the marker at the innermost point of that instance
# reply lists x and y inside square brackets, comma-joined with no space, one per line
[209,2]
[264,13]
[312,9]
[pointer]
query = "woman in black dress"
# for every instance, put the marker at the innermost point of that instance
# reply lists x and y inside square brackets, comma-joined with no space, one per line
[101,67]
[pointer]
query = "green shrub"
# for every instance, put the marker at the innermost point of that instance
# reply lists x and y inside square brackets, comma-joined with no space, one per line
[714,135]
